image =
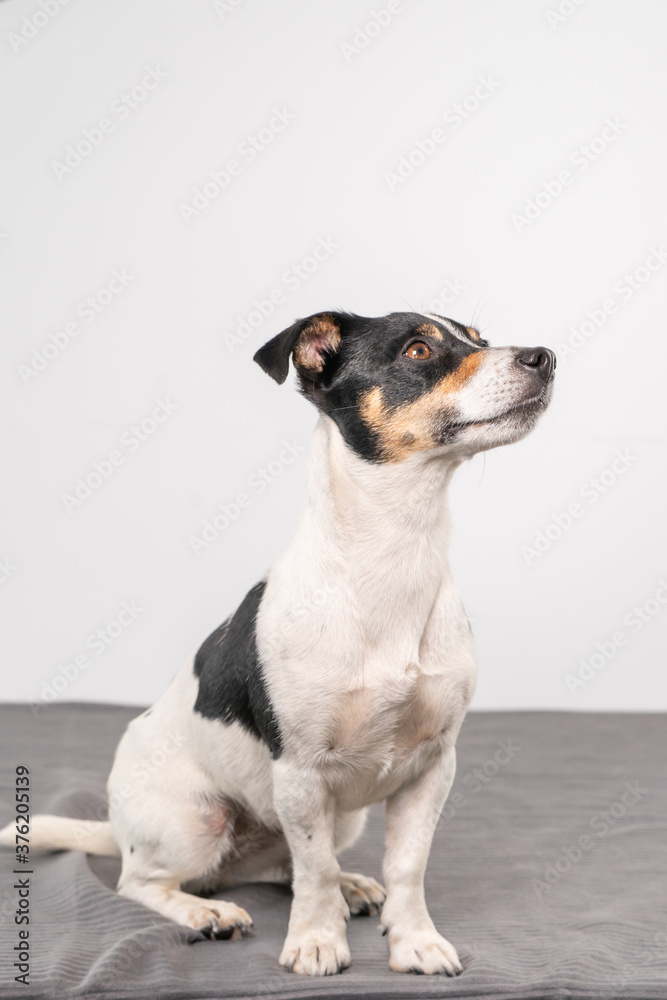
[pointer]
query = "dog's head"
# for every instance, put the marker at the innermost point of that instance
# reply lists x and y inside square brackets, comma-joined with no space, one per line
[412,382]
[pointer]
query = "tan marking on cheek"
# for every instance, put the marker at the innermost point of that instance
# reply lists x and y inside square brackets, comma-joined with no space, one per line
[410,428]
[473,332]
[428,330]
[402,431]
[458,378]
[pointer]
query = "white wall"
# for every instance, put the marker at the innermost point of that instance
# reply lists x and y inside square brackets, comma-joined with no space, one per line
[550,90]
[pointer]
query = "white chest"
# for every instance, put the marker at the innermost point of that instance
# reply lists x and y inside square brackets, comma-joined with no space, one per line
[369,683]
[368,741]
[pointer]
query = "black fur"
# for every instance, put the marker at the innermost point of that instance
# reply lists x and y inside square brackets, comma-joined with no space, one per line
[274,357]
[231,683]
[370,354]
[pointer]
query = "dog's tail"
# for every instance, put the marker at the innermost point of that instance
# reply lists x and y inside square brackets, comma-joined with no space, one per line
[57,833]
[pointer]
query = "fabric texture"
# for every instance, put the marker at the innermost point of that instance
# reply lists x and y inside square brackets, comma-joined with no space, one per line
[547,873]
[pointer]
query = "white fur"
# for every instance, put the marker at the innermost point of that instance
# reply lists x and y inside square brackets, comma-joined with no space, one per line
[370,666]
[453,330]
[372,685]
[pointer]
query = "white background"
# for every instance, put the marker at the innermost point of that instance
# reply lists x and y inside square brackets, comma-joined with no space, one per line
[167,335]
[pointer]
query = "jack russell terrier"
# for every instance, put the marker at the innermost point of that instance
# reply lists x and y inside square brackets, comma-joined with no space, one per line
[300,711]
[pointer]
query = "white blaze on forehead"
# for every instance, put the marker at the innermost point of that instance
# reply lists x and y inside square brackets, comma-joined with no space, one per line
[453,330]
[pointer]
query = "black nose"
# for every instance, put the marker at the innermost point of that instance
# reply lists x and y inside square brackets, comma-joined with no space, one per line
[541,359]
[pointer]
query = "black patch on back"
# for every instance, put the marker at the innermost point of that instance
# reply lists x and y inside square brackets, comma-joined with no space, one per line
[231,683]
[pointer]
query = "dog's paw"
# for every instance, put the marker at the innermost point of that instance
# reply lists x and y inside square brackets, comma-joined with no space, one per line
[315,954]
[225,921]
[424,952]
[363,894]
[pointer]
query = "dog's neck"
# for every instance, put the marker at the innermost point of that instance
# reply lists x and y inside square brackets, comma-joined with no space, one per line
[383,528]
[368,499]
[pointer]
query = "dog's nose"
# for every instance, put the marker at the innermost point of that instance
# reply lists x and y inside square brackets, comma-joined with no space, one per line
[541,359]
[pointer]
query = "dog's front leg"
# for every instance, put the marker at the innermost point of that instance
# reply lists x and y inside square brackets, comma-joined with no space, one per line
[412,813]
[316,942]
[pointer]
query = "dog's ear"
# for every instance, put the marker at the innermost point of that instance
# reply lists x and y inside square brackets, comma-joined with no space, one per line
[308,340]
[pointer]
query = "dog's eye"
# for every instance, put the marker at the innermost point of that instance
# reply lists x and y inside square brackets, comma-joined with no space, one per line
[419,351]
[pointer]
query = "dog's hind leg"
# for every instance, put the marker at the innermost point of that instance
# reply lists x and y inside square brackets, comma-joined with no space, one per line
[190,843]
[215,918]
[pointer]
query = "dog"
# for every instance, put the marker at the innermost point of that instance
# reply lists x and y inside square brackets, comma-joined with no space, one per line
[344,676]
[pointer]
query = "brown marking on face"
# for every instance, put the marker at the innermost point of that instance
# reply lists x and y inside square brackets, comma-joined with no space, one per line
[428,330]
[321,335]
[412,427]
[458,378]
[401,431]
[473,332]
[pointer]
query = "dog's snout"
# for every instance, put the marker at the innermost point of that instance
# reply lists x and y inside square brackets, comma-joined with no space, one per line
[540,359]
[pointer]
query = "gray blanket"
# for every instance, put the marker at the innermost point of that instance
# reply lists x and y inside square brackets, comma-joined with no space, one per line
[547,873]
